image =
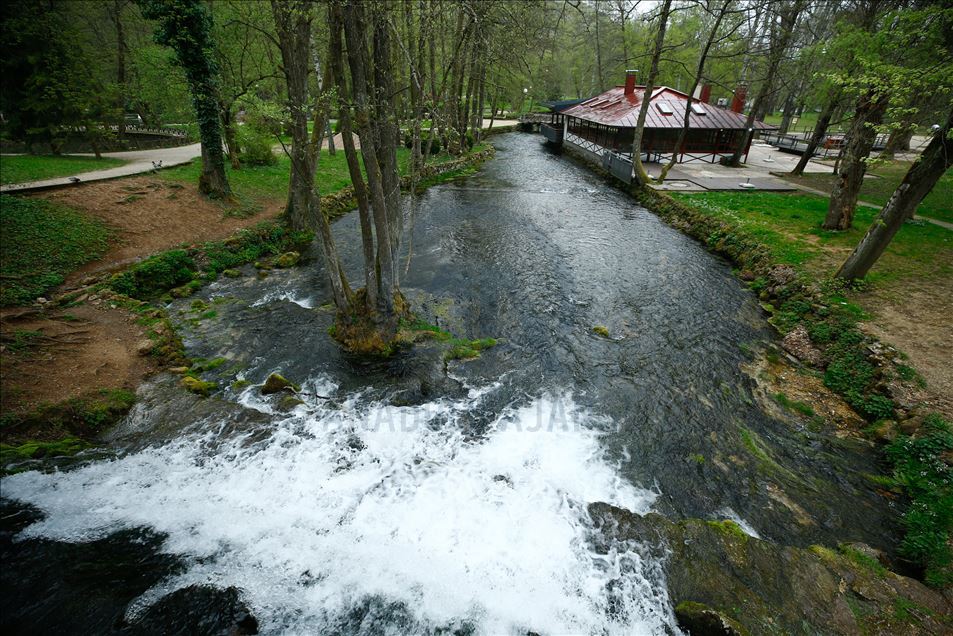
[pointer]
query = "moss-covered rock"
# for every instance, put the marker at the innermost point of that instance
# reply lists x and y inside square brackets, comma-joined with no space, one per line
[276,383]
[197,386]
[766,588]
[601,330]
[700,620]
[231,273]
[288,259]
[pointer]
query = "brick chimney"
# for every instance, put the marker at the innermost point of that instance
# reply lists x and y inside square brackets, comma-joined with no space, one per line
[705,97]
[630,76]
[738,100]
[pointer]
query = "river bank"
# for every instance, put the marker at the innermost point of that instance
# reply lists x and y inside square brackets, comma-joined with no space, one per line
[96,333]
[829,337]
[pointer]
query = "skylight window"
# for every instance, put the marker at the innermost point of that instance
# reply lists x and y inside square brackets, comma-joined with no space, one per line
[698,109]
[664,108]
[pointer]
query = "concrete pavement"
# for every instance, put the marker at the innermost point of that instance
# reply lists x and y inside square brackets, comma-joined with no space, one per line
[139,162]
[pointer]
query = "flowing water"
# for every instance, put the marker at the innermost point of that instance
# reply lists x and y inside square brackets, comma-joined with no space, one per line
[402,498]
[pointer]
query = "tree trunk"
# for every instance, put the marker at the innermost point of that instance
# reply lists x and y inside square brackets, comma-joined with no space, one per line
[820,132]
[185,26]
[639,176]
[353,161]
[852,165]
[367,113]
[917,183]
[293,27]
[788,114]
[231,137]
[699,74]
[120,64]
[788,17]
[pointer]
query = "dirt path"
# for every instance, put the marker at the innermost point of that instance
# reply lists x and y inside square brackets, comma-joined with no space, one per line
[920,325]
[51,355]
[150,215]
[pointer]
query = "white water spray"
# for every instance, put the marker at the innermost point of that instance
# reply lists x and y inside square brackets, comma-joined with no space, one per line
[337,505]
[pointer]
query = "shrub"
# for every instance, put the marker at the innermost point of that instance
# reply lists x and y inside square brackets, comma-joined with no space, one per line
[154,275]
[918,465]
[255,146]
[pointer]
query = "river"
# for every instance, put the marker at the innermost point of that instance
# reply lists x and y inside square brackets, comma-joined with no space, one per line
[399,498]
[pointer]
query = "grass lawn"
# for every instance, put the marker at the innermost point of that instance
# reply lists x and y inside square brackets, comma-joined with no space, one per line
[254,183]
[790,225]
[884,179]
[40,243]
[22,168]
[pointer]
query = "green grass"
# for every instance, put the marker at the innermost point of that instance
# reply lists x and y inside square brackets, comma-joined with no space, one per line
[789,225]
[271,182]
[22,168]
[40,243]
[883,179]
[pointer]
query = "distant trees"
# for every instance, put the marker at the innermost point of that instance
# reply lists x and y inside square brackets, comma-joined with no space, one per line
[48,90]
[639,175]
[185,26]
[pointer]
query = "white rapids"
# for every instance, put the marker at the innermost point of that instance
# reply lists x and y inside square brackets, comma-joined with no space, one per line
[339,504]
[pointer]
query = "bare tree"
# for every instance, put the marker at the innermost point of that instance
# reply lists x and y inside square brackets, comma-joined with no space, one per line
[782,32]
[639,175]
[293,27]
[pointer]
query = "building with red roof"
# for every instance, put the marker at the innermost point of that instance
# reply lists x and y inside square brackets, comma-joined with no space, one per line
[608,121]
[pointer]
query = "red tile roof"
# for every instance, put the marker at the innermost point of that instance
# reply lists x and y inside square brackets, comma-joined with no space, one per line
[615,108]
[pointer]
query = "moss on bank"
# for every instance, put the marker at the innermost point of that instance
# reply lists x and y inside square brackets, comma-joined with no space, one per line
[82,417]
[854,366]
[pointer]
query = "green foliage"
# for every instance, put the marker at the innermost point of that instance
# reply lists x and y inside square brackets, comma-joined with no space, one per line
[48,90]
[154,275]
[794,405]
[919,466]
[256,146]
[85,416]
[40,243]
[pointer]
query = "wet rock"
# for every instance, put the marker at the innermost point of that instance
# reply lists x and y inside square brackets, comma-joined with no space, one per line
[144,347]
[289,402]
[197,609]
[798,343]
[288,259]
[197,386]
[781,275]
[275,383]
[912,426]
[768,588]
[700,620]
[885,431]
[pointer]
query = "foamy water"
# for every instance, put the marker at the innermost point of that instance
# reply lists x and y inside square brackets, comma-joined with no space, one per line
[343,503]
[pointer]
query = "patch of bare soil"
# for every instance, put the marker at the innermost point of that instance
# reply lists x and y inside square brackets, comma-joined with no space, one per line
[150,215]
[51,356]
[920,324]
[48,357]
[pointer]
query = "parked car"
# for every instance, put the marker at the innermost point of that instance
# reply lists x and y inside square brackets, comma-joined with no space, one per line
[132,119]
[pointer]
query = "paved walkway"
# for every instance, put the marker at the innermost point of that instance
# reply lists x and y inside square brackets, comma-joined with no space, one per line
[139,162]
[755,174]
